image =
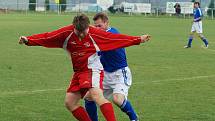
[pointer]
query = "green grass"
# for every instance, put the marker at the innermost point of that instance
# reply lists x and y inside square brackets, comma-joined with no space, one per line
[169,83]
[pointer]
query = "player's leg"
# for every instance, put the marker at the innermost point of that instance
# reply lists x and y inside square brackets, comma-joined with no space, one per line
[120,93]
[91,108]
[105,106]
[72,104]
[93,81]
[90,105]
[189,43]
[72,99]
[190,39]
[201,36]
[96,94]
[124,104]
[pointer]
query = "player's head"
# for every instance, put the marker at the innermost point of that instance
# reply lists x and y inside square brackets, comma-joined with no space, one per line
[196,4]
[101,21]
[81,23]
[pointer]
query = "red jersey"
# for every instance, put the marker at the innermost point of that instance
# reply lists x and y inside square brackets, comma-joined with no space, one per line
[84,53]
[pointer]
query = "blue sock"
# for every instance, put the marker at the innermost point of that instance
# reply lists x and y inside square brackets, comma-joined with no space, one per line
[205,41]
[91,109]
[190,41]
[128,109]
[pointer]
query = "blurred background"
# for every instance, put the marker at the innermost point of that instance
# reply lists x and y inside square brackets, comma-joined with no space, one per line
[131,7]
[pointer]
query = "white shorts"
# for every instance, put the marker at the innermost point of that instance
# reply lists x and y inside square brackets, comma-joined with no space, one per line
[197,27]
[117,82]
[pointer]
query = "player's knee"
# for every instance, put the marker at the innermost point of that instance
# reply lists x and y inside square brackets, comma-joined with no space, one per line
[71,104]
[201,36]
[118,99]
[68,105]
[97,96]
[191,36]
[192,33]
[87,97]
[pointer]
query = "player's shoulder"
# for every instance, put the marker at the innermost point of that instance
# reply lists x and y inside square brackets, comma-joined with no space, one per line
[199,9]
[93,29]
[113,30]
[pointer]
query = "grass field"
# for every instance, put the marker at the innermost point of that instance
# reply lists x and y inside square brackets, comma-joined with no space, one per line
[170,83]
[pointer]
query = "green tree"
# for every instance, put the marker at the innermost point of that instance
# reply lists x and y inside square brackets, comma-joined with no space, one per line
[32,5]
[47,4]
[211,8]
[63,5]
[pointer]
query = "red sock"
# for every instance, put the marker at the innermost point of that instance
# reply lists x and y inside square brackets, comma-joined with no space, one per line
[108,112]
[81,114]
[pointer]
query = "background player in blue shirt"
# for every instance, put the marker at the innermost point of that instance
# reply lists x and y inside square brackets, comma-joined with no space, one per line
[197,26]
[117,75]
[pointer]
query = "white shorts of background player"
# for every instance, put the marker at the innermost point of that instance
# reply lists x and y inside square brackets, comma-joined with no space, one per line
[197,27]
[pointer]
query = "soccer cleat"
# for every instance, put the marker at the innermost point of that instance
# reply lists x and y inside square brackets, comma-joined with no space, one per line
[205,46]
[187,46]
[135,120]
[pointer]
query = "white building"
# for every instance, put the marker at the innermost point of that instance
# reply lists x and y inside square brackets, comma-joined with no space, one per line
[103,4]
[14,4]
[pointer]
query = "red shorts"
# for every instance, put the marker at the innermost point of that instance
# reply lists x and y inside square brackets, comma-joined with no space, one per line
[83,81]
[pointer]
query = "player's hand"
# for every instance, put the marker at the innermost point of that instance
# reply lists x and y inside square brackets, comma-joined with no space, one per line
[145,38]
[23,40]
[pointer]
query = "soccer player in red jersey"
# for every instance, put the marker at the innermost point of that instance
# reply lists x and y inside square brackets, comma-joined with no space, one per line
[83,42]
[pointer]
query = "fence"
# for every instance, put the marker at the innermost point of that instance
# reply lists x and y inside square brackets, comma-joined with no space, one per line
[25,8]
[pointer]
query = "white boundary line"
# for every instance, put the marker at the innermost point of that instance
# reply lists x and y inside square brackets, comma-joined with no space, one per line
[177,79]
[61,89]
[210,49]
[29,92]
